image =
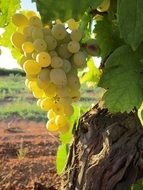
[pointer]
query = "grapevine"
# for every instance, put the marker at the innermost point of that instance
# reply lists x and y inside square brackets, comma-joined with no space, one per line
[51,57]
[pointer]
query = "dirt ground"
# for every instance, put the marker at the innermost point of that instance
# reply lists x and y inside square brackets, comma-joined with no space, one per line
[27,155]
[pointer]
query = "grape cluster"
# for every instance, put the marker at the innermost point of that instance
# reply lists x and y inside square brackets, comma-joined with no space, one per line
[51,59]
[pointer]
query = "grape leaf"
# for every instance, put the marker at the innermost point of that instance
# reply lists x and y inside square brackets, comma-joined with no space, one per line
[52,10]
[7,9]
[61,158]
[107,35]
[130,16]
[123,78]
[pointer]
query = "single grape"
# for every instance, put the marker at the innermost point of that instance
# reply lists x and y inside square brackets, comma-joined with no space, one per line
[37,33]
[79,59]
[47,31]
[73,81]
[28,47]
[51,42]
[66,66]
[74,94]
[72,24]
[27,31]
[19,20]
[76,35]
[17,39]
[58,108]
[73,46]
[35,21]
[53,53]
[58,77]
[50,91]
[56,62]
[63,51]
[44,59]
[51,125]
[46,104]
[59,31]
[31,67]
[63,123]
[68,110]
[40,45]
[51,114]
[44,75]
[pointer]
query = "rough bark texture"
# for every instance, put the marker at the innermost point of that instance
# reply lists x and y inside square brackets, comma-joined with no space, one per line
[106,153]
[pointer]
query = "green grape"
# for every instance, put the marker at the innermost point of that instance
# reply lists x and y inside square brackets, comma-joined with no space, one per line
[58,108]
[65,100]
[50,91]
[76,35]
[51,114]
[38,93]
[37,33]
[34,54]
[44,59]
[27,31]
[51,42]
[44,75]
[62,91]
[63,123]
[30,14]
[35,21]
[31,77]
[66,66]
[59,32]
[19,20]
[51,125]
[46,104]
[67,39]
[72,24]
[68,110]
[28,47]
[17,39]
[39,102]
[31,67]
[73,46]
[47,31]
[53,53]
[41,84]
[56,62]
[58,77]
[40,45]
[73,81]
[63,51]
[79,59]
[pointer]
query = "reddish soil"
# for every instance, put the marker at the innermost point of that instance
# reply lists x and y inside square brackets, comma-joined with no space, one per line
[38,164]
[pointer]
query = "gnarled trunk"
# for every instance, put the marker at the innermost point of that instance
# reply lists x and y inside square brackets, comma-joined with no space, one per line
[106,153]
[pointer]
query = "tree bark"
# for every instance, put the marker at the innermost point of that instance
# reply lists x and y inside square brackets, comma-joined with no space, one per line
[106,153]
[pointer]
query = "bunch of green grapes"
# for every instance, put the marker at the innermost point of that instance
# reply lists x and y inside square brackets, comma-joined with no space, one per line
[51,57]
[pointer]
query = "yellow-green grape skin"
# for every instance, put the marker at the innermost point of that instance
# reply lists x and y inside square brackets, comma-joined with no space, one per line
[58,77]
[66,65]
[62,91]
[59,32]
[44,75]
[79,59]
[40,45]
[73,81]
[51,42]
[76,35]
[37,92]
[51,114]
[37,33]
[34,54]
[44,59]
[35,21]
[104,6]
[30,14]
[42,85]
[68,110]
[63,51]
[67,39]
[72,24]
[17,39]
[46,104]
[56,62]
[73,46]
[58,108]
[63,123]
[28,47]
[65,100]
[31,67]
[19,20]
[27,31]
[38,102]
[22,60]
[47,31]
[75,95]
[53,53]
[51,125]
[31,77]
[50,91]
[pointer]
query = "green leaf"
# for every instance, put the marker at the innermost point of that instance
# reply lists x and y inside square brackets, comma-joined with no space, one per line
[123,78]
[52,10]
[107,35]
[61,158]
[92,75]
[138,185]
[130,16]
[140,114]
[7,9]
